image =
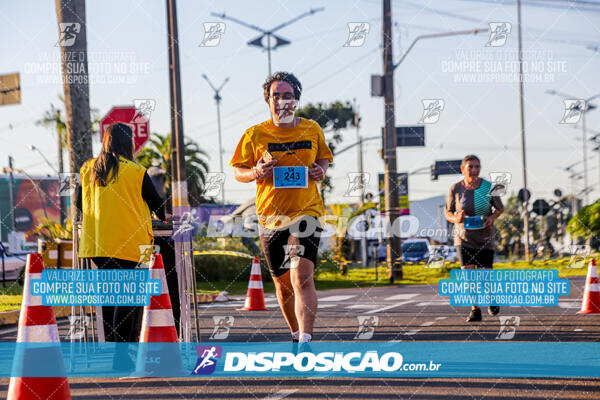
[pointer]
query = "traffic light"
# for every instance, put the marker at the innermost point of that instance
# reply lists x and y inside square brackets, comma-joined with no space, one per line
[434,176]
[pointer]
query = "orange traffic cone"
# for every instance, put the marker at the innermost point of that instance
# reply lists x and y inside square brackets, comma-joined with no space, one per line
[37,324]
[157,356]
[255,297]
[591,295]
[158,324]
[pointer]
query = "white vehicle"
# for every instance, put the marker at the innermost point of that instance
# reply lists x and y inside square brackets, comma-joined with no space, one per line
[11,265]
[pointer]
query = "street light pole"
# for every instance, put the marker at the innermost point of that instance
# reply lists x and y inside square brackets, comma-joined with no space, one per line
[585,161]
[279,41]
[11,193]
[522,120]
[583,106]
[363,242]
[218,101]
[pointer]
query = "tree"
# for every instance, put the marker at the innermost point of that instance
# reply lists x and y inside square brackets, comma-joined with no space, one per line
[509,227]
[331,118]
[158,153]
[53,119]
[586,223]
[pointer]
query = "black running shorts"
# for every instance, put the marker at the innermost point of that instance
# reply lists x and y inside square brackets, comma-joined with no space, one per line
[299,239]
[481,258]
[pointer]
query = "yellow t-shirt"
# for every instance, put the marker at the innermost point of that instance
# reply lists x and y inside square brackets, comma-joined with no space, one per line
[299,146]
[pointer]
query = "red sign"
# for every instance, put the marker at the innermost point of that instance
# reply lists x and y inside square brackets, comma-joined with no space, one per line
[134,118]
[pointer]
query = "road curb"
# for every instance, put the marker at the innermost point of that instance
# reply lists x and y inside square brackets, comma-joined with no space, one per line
[12,317]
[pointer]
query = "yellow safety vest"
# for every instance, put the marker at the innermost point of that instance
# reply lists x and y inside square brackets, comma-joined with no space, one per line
[116,219]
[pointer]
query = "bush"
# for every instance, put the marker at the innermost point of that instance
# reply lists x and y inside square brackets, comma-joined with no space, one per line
[223,268]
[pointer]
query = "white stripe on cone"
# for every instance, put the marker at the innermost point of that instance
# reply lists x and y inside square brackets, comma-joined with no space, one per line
[255,269]
[255,285]
[160,274]
[158,318]
[38,333]
[593,287]
[592,270]
[28,298]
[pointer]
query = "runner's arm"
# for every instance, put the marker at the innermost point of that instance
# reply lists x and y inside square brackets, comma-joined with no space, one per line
[324,164]
[244,174]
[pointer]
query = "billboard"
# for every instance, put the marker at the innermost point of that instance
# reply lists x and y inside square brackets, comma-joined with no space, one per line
[35,199]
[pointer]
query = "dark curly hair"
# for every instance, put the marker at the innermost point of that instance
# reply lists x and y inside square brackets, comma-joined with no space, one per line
[470,157]
[284,77]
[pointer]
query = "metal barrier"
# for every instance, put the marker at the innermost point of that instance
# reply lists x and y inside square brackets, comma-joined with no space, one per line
[84,329]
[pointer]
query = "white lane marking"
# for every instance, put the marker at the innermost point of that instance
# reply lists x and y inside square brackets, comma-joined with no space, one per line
[403,296]
[570,304]
[281,394]
[228,304]
[427,323]
[434,303]
[578,330]
[362,306]
[337,298]
[388,307]
[326,305]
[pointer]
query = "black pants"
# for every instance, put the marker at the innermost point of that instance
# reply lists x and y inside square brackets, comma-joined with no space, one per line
[121,323]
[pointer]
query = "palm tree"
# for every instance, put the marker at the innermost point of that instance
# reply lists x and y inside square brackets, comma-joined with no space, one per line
[158,153]
[53,119]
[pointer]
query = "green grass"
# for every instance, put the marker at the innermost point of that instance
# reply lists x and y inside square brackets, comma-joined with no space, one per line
[327,277]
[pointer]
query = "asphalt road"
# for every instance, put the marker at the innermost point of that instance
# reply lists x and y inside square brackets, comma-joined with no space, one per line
[407,313]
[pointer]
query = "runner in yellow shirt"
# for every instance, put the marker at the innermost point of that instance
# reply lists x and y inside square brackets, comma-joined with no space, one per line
[286,156]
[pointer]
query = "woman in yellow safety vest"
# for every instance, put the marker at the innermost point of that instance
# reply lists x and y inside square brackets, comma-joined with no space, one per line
[116,198]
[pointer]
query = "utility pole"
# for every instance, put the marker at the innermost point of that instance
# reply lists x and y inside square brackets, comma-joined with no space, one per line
[71,16]
[522,113]
[218,101]
[363,240]
[585,161]
[360,151]
[179,193]
[11,193]
[179,188]
[393,247]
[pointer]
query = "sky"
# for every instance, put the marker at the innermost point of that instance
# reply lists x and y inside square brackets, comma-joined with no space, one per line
[127,44]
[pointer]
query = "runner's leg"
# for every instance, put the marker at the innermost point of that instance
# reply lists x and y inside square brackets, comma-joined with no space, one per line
[286,299]
[306,295]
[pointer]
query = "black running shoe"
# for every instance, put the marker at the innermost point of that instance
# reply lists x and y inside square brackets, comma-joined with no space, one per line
[294,340]
[475,315]
[493,310]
